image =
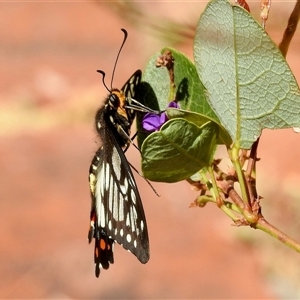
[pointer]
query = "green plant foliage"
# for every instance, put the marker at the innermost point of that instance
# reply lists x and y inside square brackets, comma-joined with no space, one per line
[250,85]
[178,150]
[199,120]
[189,93]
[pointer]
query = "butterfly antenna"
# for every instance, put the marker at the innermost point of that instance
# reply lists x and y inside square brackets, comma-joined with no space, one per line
[113,73]
[124,40]
[103,76]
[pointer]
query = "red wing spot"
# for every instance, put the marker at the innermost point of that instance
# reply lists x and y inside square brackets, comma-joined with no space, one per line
[102,244]
[96,252]
[93,218]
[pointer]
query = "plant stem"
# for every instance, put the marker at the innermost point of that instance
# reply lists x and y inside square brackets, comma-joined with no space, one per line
[265,226]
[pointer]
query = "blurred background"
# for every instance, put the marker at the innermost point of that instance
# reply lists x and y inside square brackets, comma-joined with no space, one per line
[49,93]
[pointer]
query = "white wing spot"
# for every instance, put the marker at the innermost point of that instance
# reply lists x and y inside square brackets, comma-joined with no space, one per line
[111,201]
[109,225]
[127,220]
[107,177]
[121,232]
[128,238]
[102,215]
[124,187]
[133,197]
[135,243]
[133,217]
[142,225]
[100,179]
[112,119]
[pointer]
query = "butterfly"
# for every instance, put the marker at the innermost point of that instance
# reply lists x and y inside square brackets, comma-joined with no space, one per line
[117,213]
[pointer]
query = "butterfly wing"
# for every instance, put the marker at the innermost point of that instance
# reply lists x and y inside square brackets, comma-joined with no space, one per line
[130,90]
[117,213]
[103,253]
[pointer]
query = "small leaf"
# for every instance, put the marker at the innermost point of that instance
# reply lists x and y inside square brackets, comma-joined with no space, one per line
[178,150]
[250,86]
[199,120]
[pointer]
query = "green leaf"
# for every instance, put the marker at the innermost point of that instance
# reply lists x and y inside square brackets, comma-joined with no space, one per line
[250,86]
[190,93]
[199,120]
[178,150]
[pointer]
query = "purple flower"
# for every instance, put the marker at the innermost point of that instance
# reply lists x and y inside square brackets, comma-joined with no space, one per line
[153,122]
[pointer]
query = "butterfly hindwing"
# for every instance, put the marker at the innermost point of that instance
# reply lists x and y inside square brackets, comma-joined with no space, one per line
[120,210]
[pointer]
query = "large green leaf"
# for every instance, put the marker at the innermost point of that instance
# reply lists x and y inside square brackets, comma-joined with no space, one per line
[190,94]
[178,150]
[250,86]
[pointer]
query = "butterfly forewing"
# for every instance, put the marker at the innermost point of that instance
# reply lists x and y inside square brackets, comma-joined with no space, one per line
[117,213]
[130,89]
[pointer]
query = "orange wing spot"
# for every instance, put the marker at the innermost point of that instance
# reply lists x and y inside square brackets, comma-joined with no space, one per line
[102,244]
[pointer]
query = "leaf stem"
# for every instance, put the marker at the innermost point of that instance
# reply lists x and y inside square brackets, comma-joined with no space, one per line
[227,207]
[215,190]
[240,174]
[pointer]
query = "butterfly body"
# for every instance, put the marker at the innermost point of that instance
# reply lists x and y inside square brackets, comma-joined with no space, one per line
[117,213]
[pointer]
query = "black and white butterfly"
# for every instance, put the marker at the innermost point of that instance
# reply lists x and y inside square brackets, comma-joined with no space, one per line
[117,213]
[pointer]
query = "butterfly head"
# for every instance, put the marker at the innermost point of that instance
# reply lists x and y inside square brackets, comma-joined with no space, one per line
[117,102]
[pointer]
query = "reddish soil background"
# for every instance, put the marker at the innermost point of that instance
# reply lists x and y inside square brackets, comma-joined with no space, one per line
[49,92]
